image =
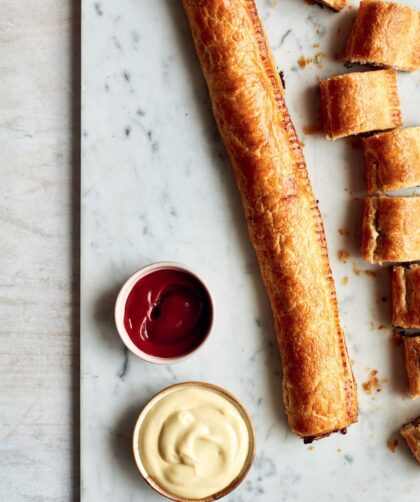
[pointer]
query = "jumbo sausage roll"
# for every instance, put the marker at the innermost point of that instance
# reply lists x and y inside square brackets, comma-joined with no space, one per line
[392,159]
[406,297]
[385,34]
[283,218]
[391,229]
[354,103]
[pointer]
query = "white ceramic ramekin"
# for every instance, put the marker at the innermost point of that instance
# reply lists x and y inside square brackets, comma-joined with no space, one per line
[120,311]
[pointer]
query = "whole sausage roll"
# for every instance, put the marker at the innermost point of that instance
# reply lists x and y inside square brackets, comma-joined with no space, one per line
[283,218]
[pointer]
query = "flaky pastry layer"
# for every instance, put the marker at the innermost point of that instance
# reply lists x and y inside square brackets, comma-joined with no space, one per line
[283,218]
[336,5]
[391,229]
[354,103]
[385,34]
[411,433]
[411,346]
[406,296]
[392,159]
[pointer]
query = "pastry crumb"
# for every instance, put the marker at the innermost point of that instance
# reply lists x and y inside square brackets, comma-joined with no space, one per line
[303,62]
[318,58]
[392,444]
[369,273]
[381,326]
[343,255]
[356,269]
[372,325]
[311,447]
[309,130]
[338,449]
[315,46]
[343,231]
[372,384]
[344,280]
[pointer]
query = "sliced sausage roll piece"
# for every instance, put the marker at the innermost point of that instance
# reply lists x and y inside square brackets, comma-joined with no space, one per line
[355,103]
[406,296]
[392,160]
[391,229]
[385,34]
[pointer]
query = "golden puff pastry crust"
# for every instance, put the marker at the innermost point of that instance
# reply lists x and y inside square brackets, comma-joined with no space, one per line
[391,229]
[406,296]
[392,159]
[385,34]
[283,218]
[411,433]
[336,5]
[354,103]
[411,345]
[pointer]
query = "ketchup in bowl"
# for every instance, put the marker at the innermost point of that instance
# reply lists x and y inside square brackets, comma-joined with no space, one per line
[168,313]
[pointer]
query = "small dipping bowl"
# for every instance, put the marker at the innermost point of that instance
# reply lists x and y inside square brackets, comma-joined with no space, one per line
[158,400]
[146,305]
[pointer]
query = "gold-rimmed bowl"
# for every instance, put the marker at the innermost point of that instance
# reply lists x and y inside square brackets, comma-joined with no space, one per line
[242,411]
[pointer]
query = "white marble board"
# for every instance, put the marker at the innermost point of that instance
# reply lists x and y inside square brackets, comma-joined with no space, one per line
[156,185]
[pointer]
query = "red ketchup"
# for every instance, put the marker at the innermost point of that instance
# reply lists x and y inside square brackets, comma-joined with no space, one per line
[168,313]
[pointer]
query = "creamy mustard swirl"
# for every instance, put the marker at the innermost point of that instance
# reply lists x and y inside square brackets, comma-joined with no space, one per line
[193,442]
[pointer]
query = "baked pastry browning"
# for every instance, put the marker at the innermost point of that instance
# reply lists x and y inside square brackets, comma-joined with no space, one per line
[336,5]
[392,159]
[385,34]
[411,346]
[283,218]
[411,433]
[391,229]
[406,296]
[360,102]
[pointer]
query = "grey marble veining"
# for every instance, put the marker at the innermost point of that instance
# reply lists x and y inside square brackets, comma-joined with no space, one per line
[156,185]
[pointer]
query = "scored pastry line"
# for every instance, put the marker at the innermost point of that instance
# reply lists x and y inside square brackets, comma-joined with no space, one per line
[399,296]
[376,182]
[407,291]
[394,100]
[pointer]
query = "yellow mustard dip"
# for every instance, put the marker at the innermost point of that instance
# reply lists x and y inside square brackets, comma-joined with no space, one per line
[193,442]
